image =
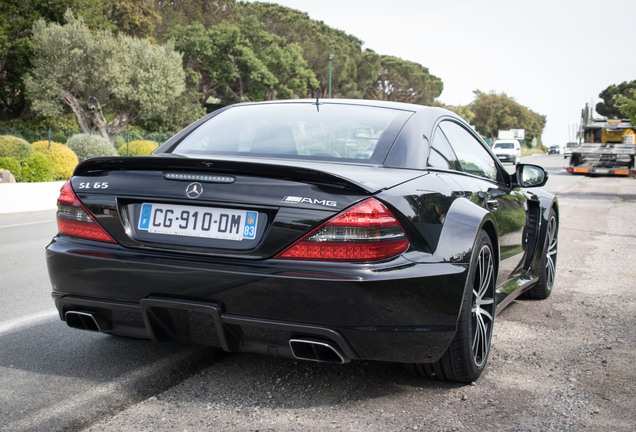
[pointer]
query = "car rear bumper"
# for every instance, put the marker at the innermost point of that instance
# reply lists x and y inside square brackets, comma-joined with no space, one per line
[506,157]
[394,311]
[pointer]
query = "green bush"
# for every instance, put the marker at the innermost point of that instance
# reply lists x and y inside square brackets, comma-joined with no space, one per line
[37,168]
[159,137]
[64,158]
[120,140]
[12,165]
[137,148]
[135,133]
[86,146]
[15,147]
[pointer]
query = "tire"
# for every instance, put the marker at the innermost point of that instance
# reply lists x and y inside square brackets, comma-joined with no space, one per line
[547,271]
[466,357]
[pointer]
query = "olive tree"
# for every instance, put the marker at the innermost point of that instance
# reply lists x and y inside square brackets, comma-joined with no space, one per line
[100,76]
[493,112]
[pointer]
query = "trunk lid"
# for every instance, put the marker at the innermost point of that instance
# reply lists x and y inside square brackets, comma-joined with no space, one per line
[230,207]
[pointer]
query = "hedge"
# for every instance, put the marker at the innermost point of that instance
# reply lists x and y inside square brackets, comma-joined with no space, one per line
[137,148]
[64,158]
[11,146]
[86,146]
[37,168]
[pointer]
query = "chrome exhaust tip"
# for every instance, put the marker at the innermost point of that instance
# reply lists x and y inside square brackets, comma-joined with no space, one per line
[86,321]
[314,350]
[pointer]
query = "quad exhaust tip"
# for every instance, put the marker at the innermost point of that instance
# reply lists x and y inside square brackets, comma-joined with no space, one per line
[319,351]
[86,321]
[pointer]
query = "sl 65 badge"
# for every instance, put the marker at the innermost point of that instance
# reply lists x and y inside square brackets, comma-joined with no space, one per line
[305,200]
[93,185]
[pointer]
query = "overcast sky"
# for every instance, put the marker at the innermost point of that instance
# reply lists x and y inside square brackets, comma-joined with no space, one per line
[552,56]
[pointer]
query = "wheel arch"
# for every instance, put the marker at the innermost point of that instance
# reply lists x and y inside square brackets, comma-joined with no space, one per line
[489,227]
[547,206]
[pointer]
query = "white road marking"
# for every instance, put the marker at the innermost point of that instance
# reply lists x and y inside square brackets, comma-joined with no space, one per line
[26,321]
[27,223]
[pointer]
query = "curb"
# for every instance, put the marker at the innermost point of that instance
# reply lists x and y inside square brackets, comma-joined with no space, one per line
[26,197]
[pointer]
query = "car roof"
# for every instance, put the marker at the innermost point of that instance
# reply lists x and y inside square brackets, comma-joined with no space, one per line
[427,115]
[421,123]
[432,110]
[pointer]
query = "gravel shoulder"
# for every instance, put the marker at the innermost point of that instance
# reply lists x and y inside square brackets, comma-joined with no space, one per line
[566,363]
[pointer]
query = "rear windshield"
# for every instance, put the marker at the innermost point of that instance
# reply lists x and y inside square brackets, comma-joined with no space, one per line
[505,146]
[298,130]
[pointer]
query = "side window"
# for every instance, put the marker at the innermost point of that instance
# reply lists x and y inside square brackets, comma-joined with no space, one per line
[472,156]
[442,155]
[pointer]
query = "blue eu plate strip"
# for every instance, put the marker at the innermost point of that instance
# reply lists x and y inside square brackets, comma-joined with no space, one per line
[144,220]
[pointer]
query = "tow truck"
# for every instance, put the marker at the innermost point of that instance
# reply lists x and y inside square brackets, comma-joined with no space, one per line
[606,147]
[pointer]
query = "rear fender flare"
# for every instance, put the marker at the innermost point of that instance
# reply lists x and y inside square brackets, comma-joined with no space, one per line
[462,226]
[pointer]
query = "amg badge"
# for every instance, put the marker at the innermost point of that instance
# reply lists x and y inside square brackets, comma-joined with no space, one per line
[305,200]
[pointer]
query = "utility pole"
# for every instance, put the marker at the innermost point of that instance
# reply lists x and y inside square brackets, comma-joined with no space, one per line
[331,56]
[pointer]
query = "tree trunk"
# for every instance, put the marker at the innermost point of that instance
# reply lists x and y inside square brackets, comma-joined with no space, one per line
[90,117]
[271,95]
[81,114]
[207,87]
[117,125]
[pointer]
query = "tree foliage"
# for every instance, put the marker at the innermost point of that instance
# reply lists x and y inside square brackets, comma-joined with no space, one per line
[133,17]
[239,62]
[209,13]
[16,21]
[495,112]
[405,81]
[317,41]
[95,75]
[626,103]
[463,111]
[355,73]
[617,100]
[157,64]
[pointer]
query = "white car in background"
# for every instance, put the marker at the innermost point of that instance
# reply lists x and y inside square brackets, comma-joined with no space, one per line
[567,150]
[507,150]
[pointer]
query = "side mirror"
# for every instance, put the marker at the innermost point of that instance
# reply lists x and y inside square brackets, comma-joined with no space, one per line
[528,176]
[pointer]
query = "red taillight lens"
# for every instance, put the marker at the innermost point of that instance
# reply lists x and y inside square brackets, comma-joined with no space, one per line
[368,231]
[75,221]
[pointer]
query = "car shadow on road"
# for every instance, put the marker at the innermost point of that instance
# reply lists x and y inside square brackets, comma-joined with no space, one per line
[49,361]
[282,383]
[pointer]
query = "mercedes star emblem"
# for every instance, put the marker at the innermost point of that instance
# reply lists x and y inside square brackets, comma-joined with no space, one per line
[194,190]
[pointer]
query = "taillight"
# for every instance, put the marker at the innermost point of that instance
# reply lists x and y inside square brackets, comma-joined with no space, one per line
[368,231]
[75,221]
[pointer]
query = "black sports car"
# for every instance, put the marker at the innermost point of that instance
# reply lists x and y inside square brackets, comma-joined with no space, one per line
[328,230]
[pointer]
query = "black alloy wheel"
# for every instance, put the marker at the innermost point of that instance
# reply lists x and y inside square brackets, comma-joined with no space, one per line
[466,357]
[547,271]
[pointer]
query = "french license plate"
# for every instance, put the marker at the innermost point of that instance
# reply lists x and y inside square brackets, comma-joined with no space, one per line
[601,171]
[193,221]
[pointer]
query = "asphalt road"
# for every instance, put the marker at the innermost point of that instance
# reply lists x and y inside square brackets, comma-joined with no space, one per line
[559,180]
[55,378]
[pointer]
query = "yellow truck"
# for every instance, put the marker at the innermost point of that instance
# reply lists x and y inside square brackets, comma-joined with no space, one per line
[606,147]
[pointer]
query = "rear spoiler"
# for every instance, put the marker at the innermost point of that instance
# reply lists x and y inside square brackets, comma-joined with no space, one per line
[359,178]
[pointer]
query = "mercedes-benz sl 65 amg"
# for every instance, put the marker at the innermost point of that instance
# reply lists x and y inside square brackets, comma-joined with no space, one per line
[325,230]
